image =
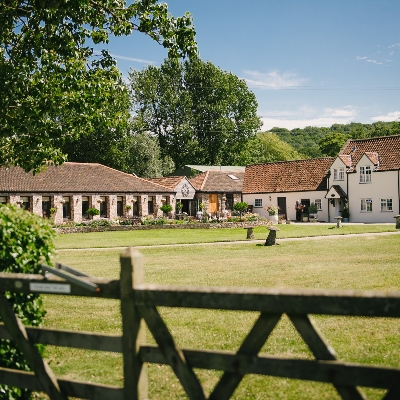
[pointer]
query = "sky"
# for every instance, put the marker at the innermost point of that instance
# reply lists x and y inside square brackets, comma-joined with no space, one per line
[309,62]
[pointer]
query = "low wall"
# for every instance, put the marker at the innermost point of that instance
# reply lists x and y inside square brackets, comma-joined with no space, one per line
[84,229]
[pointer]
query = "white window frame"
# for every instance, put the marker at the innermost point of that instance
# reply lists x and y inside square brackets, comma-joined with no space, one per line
[365,174]
[257,203]
[366,205]
[386,205]
[318,202]
[338,174]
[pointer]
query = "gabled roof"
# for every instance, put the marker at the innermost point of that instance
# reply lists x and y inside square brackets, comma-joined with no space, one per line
[170,182]
[384,152]
[218,182]
[75,177]
[287,176]
[337,192]
[346,159]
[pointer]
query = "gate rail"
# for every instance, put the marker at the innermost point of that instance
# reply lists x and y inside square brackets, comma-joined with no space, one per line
[139,302]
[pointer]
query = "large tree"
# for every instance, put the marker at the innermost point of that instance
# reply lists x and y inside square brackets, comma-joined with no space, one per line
[199,113]
[52,85]
[268,147]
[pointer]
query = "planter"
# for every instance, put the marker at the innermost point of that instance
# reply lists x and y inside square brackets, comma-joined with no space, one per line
[304,219]
[345,220]
[273,218]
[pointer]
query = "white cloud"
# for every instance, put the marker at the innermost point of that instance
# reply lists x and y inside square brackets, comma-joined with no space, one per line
[391,53]
[389,117]
[361,58]
[327,117]
[337,112]
[273,80]
[394,45]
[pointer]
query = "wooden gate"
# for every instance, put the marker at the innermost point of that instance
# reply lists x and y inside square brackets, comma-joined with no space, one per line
[212,203]
[139,302]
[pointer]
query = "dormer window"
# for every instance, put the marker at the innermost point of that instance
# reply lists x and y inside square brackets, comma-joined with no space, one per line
[338,174]
[365,174]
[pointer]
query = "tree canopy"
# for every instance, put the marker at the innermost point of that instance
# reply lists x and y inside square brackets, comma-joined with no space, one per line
[313,141]
[53,85]
[267,147]
[199,113]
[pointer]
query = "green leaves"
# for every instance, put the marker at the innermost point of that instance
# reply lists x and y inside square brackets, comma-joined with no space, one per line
[200,114]
[26,241]
[52,85]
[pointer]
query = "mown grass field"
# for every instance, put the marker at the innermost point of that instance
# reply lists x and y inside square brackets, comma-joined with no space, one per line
[358,262]
[170,236]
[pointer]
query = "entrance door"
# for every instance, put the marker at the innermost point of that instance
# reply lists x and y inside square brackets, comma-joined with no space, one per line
[306,204]
[213,203]
[282,206]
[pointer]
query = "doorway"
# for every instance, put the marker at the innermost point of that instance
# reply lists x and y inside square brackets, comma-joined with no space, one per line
[282,207]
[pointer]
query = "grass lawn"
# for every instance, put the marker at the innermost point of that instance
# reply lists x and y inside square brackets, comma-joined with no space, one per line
[355,263]
[169,236]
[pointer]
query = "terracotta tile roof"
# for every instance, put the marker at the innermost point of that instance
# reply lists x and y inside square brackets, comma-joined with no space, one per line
[346,160]
[374,157]
[170,182]
[287,176]
[386,150]
[75,177]
[218,182]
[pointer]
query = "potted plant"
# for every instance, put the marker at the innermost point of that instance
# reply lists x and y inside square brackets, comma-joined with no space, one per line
[313,212]
[166,208]
[128,207]
[272,210]
[241,207]
[91,212]
[345,214]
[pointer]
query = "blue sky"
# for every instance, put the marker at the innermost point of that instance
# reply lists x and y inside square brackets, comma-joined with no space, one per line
[309,62]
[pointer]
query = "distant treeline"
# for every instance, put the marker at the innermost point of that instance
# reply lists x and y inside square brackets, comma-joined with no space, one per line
[320,142]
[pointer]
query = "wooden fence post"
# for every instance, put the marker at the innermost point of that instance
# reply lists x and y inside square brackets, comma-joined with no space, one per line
[133,327]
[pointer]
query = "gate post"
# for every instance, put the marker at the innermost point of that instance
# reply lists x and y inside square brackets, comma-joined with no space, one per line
[133,327]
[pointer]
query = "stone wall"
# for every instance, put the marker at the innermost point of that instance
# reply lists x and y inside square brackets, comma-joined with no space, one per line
[86,229]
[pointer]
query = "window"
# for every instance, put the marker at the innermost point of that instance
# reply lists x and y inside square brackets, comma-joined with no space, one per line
[258,203]
[365,174]
[120,206]
[66,208]
[366,205]
[85,205]
[26,203]
[103,207]
[150,205]
[338,174]
[386,204]
[3,199]
[229,201]
[46,205]
[318,203]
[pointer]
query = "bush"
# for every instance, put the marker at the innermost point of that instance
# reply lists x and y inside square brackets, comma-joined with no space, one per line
[166,208]
[26,241]
[241,207]
[92,211]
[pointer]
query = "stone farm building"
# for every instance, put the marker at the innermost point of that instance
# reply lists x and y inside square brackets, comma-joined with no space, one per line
[219,190]
[70,189]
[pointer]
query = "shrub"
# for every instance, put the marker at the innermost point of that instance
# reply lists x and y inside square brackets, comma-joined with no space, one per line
[166,208]
[92,211]
[312,208]
[241,207]
[26,240]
